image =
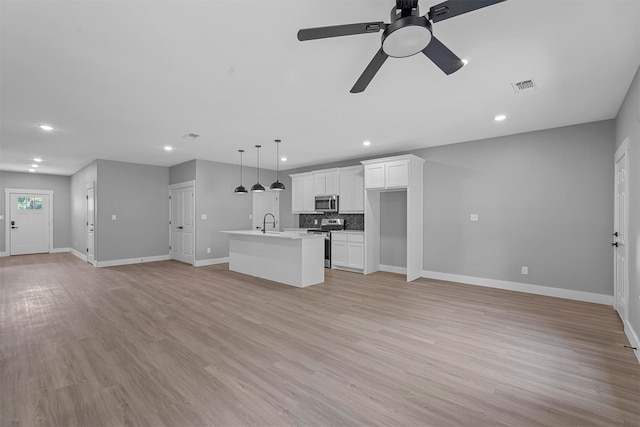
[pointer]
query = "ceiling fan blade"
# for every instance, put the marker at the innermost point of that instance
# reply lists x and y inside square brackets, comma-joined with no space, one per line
[339,30]
[446,60]
[369,72]
[451,8]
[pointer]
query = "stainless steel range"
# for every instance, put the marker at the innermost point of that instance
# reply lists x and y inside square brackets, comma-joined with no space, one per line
[326,226]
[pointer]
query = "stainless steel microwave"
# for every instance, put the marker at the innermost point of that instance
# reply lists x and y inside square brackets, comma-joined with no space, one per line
[326,203]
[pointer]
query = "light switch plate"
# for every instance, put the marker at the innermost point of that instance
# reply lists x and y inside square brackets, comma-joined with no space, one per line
[1,217]
[525,270]
[113,217]
[203,216]
[474,217]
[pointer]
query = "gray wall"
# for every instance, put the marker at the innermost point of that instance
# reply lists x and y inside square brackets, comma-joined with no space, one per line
[225,210]
[139,197]
[61,202]
[183,172]
[78,183]
[544,200]
[393,228]
[628,125]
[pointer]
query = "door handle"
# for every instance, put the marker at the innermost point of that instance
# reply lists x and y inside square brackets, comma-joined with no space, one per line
[179,227]
[13,226]
[615,234]
[615,244]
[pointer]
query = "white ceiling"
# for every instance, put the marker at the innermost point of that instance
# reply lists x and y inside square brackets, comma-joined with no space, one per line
[121,79]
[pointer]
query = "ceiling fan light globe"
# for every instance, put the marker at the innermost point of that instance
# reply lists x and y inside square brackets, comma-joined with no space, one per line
[406,37]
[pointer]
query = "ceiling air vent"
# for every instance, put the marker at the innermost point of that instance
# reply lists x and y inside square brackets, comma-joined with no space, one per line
[191,135]
[524,86]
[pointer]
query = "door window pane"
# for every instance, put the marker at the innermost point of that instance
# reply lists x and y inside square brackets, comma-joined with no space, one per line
[29,203]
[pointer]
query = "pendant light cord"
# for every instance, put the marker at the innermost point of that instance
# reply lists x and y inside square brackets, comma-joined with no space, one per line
[258,147]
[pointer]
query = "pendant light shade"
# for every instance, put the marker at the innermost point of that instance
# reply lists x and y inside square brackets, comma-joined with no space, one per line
[278,186]
[257,187]
[240,189]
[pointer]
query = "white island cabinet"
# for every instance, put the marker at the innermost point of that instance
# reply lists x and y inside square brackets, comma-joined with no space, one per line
[290,258]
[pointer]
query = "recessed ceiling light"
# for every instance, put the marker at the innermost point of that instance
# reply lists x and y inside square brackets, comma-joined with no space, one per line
[283,159]
[32,170]
[35,166]
[46,127]
[37,159]
[168,148]
[366,143]
[499,117]
[465,61]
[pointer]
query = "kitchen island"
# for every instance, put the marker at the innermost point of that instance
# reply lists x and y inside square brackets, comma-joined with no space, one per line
[290,258]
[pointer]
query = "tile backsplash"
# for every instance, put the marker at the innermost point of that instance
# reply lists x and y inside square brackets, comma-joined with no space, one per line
[351,221]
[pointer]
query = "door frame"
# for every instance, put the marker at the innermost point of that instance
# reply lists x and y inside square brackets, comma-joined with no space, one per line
[623,150]
[191,183]
[7,208]
[86,237]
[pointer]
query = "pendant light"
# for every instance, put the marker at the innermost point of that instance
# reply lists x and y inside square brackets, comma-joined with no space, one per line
[278,186]
[257,187]
[240,189]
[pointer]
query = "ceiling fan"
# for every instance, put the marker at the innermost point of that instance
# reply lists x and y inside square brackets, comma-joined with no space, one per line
[407,34]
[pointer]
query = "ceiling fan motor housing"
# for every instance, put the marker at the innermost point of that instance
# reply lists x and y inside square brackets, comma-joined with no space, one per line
[406,36]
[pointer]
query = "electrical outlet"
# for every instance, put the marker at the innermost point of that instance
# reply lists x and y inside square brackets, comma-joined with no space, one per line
[208,250]
[525,270]
[250,216]
[315,222]
[203,216]
[113,217]
[1,217]
[474,217]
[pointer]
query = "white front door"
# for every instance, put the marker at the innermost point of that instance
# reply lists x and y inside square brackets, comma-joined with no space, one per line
[182,224]
[29,223]
[91,220]
[266,203]
[621,278]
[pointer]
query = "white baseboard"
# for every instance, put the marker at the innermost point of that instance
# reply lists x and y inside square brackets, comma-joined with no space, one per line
[60,250]
[79,254]
[212,261]
[633,339]
[116,262]
[393,269]
[522,287]
[4,254]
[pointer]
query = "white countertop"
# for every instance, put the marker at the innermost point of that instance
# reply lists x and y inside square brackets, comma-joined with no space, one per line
[274,234]
[349,231]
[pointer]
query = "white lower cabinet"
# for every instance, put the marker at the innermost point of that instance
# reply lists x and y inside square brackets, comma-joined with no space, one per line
[347,250]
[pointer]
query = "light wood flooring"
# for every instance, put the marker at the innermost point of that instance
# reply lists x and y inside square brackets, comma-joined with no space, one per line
[169,344]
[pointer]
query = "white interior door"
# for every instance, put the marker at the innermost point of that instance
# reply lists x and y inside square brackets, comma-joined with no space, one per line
[621,278]
[264,203]
[182,224]
[91,220]
[29,223]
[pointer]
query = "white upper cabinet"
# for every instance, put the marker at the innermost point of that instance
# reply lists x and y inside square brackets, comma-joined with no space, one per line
[374,176]
[326,182]
[351,189]
[386,174]
[303,193]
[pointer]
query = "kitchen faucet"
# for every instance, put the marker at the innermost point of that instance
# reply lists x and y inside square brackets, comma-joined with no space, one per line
[264,222]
